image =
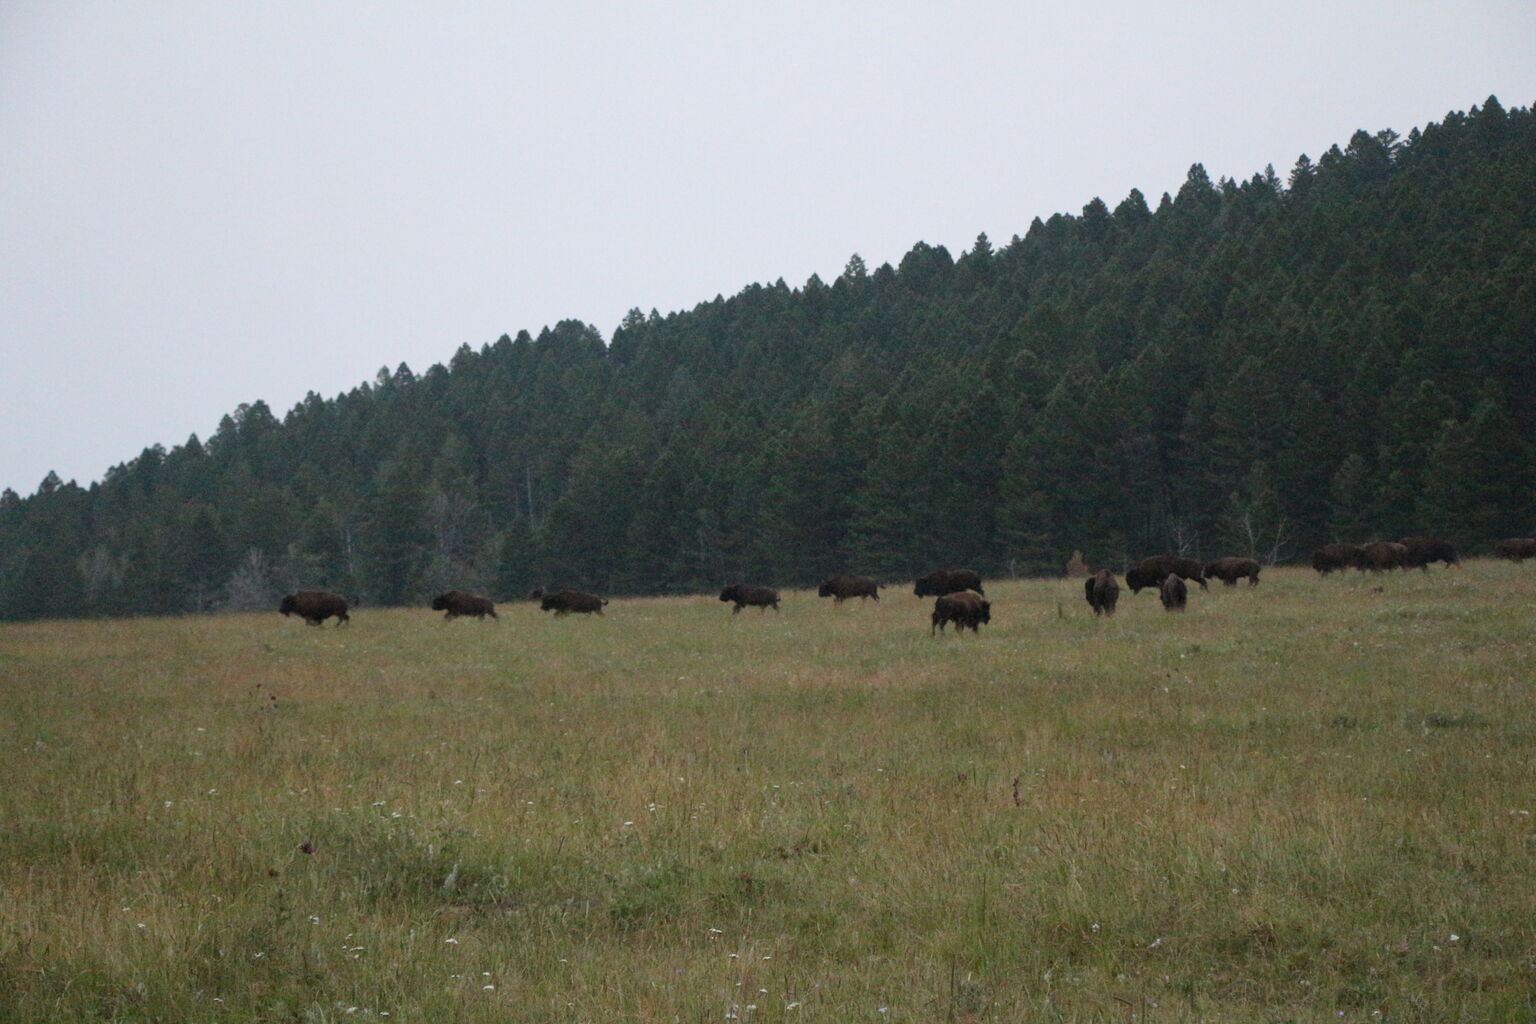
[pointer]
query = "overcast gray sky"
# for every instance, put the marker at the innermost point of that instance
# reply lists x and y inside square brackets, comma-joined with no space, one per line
[203,204]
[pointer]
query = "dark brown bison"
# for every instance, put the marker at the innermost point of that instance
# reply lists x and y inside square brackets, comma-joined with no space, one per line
[842,586]
[1230,570]
[1102,591]
[947,581]
[965,608]
[1174,593]
[1337,556]
[1423,550]
[761,598]
[1138,579]
[462,602]
[1382,555]
[1516,549]
[315,606]
[1186,568]
[563,602]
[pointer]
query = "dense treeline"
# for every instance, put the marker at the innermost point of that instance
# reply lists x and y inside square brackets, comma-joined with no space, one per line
[1252,367]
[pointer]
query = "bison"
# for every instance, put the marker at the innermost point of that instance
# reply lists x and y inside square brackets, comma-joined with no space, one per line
[1186,568]
[1423,550]
[947,581]
[1102,592]
[315,606]
[1516,549]
[842,586]
[1337,556]
[1230,570]
[461,602]
[563,602]
[1138,579]
[1382,555]
[1173,592]
[761,598]
[964,608]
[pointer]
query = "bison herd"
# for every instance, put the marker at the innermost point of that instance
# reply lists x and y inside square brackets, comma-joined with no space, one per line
[959,596]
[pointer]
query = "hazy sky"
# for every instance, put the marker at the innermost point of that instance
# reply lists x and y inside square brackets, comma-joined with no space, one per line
[203,204]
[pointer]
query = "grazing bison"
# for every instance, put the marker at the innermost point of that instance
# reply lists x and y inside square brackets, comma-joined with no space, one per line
[842,586]
[761,598]
[1174,593]
[965,608]
[1102,592]
[947,581]
[315,606]
[1138,579]
[1382,555]
[1186,568]
[1230,570]
[1423,550]
[462,602]
[1516,549]
[1337,556]
[563,602]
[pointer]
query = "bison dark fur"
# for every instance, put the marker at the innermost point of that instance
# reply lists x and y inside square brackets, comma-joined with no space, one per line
[843,586]
[1186,568]
[1382,555]
[966,608]
[1423,550]
[761,598]
[1138,579]
[462,602]
[1230,570]
[1102,591]
[1174,593]
[315,606]
[1337,556]
[1516,549]
[563,602]
[948,581]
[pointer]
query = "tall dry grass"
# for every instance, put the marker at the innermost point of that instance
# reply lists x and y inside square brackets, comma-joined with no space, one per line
[1307,801]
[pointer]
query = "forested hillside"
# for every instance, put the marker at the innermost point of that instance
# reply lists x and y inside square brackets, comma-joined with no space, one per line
[1245,367]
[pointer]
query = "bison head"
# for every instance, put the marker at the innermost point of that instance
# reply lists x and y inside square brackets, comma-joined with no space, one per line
[440,603]
[729,593]
[287,606]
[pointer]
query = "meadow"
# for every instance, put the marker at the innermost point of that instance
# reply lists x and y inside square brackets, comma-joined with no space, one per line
[1310,800]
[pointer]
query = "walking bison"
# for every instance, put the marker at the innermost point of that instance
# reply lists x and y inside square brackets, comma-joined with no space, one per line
[1331,557]
[843,586]
[1516,549]
[1420,551]
[1230,570]
[462,602]
[1383,555]
[1102,591]
[315,606]
[563,602]
[965,608]
[761,598]
[947,581]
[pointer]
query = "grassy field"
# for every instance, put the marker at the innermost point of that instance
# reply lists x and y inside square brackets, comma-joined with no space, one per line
[1307,801]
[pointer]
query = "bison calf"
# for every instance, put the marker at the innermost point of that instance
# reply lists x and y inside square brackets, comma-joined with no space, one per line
[761,598]
[965,608]
[315,606]
[1174,593]
[462,602]
[1102,591]
[563,602]
[947,581]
